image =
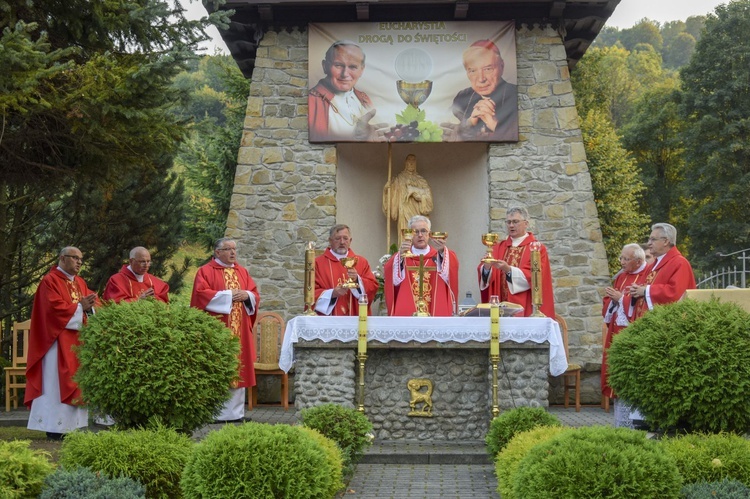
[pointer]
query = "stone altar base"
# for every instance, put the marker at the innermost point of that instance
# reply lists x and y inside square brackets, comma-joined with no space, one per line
[460,374]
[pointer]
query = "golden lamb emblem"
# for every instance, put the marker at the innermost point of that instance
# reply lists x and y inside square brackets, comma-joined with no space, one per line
[420,397]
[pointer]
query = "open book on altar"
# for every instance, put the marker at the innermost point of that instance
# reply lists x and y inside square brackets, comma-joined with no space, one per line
[507,309]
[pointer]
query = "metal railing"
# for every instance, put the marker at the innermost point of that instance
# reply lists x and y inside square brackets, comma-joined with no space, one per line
[726,276]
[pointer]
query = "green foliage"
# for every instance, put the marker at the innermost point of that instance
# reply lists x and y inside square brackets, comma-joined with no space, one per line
[596,462]
[154,458]
[347,427]
[510,423]
[686,365]
[260,461]
[506,463]
[147,360]
[725,489]
[710,458]
[715,109]
[645,31]
[333,456]
[617,188]
[83,483]
[23,471]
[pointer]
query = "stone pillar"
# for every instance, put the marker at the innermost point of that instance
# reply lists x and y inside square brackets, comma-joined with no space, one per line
[285,187]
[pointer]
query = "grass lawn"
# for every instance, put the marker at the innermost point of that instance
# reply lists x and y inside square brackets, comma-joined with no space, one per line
[38,440]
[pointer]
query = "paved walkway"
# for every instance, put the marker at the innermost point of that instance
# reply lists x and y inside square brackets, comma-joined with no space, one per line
[413,470]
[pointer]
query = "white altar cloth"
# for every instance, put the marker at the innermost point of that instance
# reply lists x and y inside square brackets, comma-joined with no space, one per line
[423,330]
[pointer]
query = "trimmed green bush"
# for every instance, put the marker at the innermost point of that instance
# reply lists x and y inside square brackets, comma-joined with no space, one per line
[333,455]
[22,470]
[347,427]
[504,427]
[146,360]
[506,463]
[686,366]
[256,460]
[154,458]
[725,489]
[84,483]
[595,462]
[709,458]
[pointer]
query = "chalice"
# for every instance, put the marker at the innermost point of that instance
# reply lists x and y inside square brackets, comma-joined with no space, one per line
[349,263]
[440,236]
[407,235]
[489,239]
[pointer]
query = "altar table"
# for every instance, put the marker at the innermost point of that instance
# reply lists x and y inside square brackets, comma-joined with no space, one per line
[423,330]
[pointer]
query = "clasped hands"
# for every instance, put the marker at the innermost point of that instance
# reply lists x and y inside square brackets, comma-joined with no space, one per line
[637,291]
[146,293]
[613,294]
[501,265]
[484,111]
[87,302]
[240,295]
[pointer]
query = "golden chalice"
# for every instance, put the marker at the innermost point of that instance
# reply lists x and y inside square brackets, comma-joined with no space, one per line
[440,236]
[414,94]
[350,263]
[407,235]
[489,239]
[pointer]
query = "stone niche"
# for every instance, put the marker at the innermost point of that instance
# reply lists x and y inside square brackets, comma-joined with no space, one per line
[460,373]
[288,192]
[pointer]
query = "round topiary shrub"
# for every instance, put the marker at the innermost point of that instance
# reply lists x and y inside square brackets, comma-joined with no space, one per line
[597,461]
[333,455]
[504,427]
[257,460]
[687,366]
[709,458]
[22,470]
[347,427]
[155,458]
[506,462]
[146,360]
[725,489]
[82,482]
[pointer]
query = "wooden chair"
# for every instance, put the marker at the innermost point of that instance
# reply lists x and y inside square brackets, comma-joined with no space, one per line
[572,375]
[605,399]
[269,335]
[15,375]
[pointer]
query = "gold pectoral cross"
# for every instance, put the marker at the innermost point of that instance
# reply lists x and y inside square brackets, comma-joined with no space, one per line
[421,302]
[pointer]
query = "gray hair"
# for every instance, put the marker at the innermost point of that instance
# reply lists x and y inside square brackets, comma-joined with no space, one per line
[220,242]
[65,250]
[638,252]
[518,209]
[669,232]
[420,218]
[332,232]
[342,43]
[134,252]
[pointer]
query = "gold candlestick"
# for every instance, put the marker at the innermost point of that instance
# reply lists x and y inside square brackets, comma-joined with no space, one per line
[536,278]
[309,291]
[362,352]
[495,350]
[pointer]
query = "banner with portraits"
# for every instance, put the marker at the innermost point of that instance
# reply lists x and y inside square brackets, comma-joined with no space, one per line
[431,81]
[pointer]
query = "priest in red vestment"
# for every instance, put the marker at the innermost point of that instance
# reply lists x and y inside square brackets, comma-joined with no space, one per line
[666,280]
[133,281]
[224,289]
[633,263]
[510,277]
[332,297]
[62,303]
[440,286]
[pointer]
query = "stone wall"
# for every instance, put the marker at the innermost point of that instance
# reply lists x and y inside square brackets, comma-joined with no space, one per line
[460,372]
[285,187]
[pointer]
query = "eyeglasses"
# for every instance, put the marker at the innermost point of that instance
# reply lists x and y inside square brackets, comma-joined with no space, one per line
[513,222]
[421,231]
[74,257]
[227,249]
[654,239]
[143,262]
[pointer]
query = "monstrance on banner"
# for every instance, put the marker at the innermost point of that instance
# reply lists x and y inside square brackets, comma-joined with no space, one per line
[413,82]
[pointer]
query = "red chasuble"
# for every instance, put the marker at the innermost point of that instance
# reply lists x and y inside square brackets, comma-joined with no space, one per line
[212,278]
[441,296]
[55,303]
[621,284]
[329,273]
[520,257]
[667,283]
[123,286]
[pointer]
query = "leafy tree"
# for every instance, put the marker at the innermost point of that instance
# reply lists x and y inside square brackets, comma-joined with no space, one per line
[678,51]
[85,103]
[208,160]
[645,31]
[617,188]
[716,111]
